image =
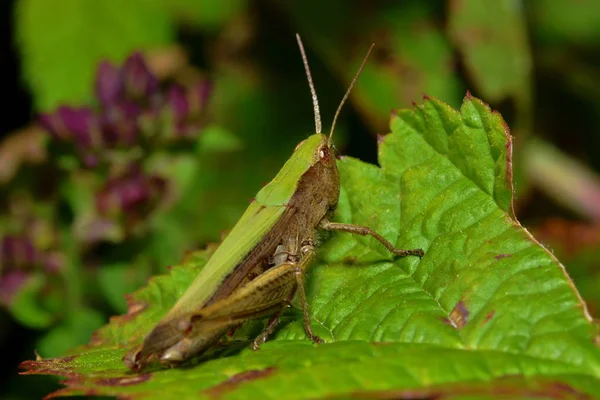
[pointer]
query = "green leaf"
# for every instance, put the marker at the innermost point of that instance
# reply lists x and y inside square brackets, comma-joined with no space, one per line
[492,37]
[62,41]
[566,22]
[411,56]
[486,311]
[29,308]
[208,14]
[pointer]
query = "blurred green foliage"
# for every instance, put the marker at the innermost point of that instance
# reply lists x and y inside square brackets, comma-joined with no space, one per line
[536,61]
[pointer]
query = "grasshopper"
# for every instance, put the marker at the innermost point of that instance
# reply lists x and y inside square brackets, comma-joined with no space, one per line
[260,266]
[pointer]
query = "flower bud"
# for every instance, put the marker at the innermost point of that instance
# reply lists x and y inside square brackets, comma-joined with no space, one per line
[139,83]
[109,84]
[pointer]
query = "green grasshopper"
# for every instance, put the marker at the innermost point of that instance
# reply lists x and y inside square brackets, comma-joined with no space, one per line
[260,266]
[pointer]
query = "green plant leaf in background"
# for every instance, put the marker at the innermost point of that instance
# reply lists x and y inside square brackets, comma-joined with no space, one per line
[492,36]
[411,55]
[492,39]
[62,41]
[562,21]
[487,311]
[207,14]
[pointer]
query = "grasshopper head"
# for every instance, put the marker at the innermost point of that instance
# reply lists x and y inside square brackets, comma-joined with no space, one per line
[323,171]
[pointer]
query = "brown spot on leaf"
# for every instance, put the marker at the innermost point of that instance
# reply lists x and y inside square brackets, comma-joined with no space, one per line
[501,256]
[350,260]
[238,379]
[489,317]
[459,316]
[124,380]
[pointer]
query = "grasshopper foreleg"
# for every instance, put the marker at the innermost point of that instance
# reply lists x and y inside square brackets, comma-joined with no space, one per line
[366,231]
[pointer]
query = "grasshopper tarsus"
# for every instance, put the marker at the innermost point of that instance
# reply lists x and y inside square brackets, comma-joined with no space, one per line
[414,252]
[366,231]
[316,339]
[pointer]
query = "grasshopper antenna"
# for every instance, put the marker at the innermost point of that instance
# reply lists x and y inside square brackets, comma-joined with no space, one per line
[337,113]
[313,92]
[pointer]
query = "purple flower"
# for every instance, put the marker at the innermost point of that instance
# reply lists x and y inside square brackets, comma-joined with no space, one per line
[69,124]
[187,107]
[10,283]
[109,85]
[131,110]
[131,194]
[19,257]
[18,252]
[177,103]
[138,81]
[119,124]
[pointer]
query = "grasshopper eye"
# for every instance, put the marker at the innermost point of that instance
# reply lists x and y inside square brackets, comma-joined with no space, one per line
[326,156]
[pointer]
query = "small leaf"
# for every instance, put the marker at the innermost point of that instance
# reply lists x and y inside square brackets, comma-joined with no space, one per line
[411,56]
[565,21]
[487,310]
[492,36]
[28,307]
[62,42]
[206,14]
